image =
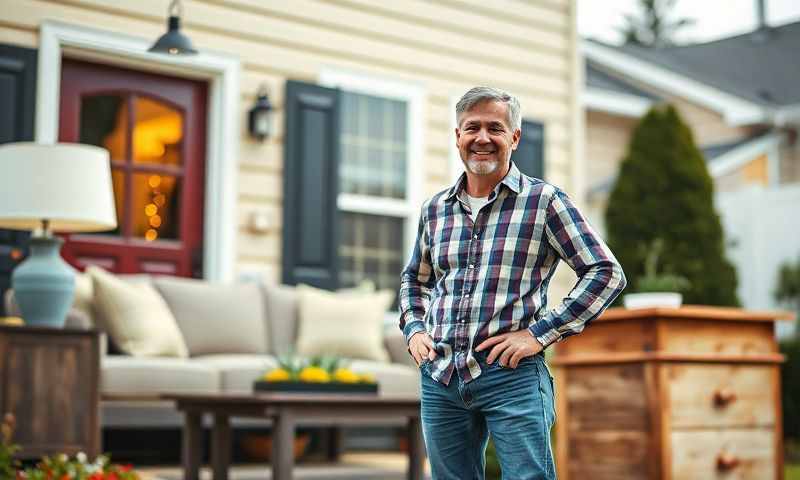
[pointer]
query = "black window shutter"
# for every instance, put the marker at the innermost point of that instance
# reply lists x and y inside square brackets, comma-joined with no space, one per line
[18,100]
[311,185]
[529,155]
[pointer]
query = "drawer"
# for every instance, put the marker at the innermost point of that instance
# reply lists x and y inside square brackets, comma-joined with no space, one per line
[713,396]
[606,397]
[609,455]
[732,454]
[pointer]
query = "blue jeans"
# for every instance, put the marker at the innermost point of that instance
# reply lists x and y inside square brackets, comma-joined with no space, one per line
[515,405]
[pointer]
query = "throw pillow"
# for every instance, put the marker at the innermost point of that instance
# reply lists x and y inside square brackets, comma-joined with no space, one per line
[345,324]
[215,318]
[137,318]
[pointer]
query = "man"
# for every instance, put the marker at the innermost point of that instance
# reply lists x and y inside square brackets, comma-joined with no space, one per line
[473,299]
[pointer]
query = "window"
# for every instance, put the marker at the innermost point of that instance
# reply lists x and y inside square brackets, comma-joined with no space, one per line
[378,197]
[143,136]
[373,168]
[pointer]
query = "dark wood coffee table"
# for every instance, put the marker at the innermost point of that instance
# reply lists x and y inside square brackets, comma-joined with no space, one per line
[286,410]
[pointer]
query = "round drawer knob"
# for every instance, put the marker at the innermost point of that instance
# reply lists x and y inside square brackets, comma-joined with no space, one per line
[727,462]
[723,396]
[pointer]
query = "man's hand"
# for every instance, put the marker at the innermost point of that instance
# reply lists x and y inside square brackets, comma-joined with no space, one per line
[511,347]
[421,346]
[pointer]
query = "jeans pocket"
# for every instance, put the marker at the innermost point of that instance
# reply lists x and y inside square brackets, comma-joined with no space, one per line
[423,366]
[547,387]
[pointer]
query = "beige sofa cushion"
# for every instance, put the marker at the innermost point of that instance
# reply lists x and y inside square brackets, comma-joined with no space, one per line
[238,372]
[216,318]
[345,324]
[281,317]
[123,375]
[136,317]
[394,380]
[84,295]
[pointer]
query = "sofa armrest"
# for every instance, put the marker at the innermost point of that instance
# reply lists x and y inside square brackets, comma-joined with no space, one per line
[75,319]
[80,320]
[395,343]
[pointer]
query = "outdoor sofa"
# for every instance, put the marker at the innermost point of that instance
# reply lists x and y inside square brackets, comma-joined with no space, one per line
[232,334]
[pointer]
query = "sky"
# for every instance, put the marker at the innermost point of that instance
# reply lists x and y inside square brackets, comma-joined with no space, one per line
[713,18]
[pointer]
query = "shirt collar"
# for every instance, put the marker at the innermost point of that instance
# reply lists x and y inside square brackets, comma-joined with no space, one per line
[512,180]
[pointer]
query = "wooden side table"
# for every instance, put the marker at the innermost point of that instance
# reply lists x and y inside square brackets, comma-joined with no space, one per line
[661,393]
[49,381]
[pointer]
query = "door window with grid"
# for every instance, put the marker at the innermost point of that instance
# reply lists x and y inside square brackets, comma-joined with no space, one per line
[373,184]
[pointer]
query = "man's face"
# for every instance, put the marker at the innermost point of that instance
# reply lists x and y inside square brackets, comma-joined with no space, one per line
[485,138]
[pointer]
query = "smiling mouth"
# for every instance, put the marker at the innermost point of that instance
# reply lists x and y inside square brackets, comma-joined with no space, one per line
[483,152]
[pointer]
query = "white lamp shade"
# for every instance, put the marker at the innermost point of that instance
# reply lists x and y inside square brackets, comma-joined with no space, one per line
[68,184]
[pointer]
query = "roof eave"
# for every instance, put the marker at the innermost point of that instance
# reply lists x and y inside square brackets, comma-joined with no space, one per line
[736,110]
[788,115]
[742,154]
[616,103]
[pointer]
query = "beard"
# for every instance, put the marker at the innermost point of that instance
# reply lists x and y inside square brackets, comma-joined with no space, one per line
[482,167]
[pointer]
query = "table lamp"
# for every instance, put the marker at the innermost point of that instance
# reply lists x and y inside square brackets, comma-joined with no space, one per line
[63,187]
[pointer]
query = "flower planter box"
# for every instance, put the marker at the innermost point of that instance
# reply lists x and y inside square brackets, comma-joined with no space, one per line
[309,387]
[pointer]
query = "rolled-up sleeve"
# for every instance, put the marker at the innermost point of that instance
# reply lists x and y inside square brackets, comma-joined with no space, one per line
[600,276]
[416,283]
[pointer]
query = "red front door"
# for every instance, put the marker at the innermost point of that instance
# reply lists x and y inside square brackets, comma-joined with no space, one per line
[154,127]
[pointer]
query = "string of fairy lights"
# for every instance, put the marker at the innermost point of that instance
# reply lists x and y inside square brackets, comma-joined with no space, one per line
[151,210]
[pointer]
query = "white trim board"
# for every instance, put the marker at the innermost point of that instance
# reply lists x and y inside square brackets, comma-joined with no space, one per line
[222,148]
[615,102]
[736,110]
[788,115]
[740,156]
[414,96]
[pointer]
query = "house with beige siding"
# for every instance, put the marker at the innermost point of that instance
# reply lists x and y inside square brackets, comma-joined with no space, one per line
[362,93]
[740,97]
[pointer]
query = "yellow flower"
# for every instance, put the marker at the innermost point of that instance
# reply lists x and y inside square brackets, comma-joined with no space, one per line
[315,375]
[277,375]
[366,378]
[345,375]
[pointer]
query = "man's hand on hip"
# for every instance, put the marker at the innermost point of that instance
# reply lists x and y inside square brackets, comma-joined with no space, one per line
[511,347]
[421,346]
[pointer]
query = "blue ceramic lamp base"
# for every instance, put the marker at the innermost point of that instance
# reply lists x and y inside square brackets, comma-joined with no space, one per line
[44,284]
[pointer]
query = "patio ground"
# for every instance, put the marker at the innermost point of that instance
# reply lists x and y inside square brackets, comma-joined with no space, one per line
[353,466]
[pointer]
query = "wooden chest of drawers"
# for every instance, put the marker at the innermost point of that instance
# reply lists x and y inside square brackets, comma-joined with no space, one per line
[689,393]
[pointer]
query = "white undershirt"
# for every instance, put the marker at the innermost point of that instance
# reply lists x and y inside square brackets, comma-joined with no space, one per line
[475,204]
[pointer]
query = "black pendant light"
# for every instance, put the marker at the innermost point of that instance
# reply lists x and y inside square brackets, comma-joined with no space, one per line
[174,42]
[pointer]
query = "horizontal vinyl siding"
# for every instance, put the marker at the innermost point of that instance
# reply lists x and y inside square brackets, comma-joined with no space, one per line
[607,138]
[443,46]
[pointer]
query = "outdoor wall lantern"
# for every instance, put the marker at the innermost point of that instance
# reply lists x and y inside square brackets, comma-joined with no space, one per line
[260,124]
[174,42]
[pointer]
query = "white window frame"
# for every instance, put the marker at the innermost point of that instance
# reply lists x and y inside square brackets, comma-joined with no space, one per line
[414,96]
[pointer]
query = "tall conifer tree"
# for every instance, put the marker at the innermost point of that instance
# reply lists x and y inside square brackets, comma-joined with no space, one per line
[664,191]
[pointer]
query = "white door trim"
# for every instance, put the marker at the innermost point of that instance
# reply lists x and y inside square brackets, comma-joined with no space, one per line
[222,148]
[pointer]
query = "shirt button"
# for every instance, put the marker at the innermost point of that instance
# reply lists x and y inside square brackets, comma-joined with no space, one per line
[475,236]
[466,296]
[471,265]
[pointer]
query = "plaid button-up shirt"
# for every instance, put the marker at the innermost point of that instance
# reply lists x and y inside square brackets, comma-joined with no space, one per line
[469,281]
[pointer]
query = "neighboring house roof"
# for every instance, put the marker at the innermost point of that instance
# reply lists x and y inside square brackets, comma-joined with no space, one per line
[721,158]
[597,78]
[749,78]
[712,152]
[610,94]
[760,66]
